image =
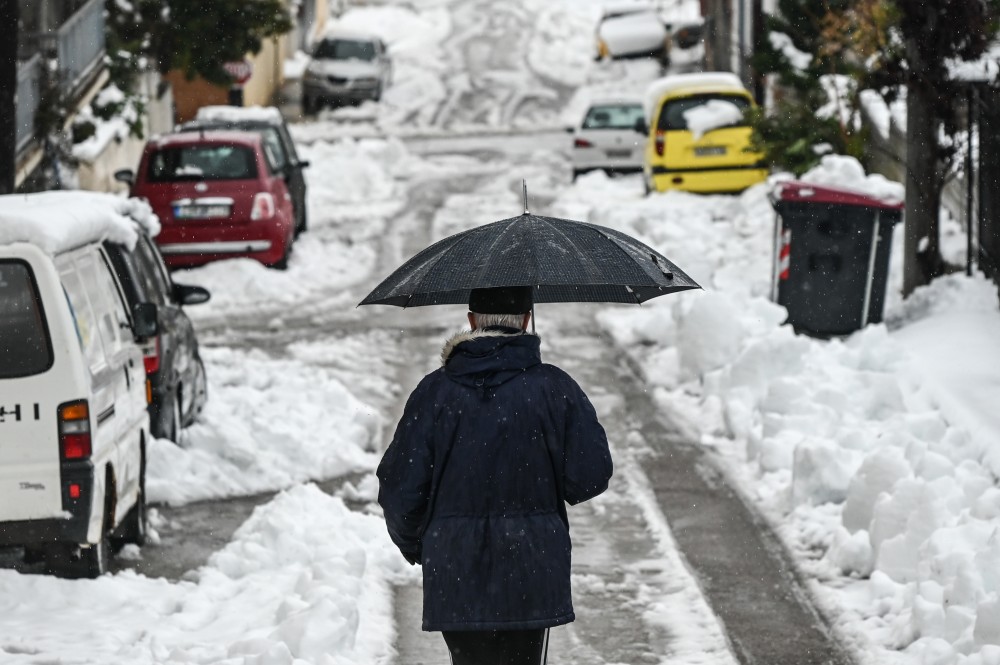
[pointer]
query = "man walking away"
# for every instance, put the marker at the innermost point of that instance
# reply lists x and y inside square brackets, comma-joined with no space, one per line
[489,450]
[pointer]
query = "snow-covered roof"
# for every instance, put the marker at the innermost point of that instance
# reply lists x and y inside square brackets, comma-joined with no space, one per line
[239,113]
[694,81]
[59,221]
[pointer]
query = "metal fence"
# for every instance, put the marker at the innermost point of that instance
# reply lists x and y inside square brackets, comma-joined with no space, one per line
[80,44]
[29,91]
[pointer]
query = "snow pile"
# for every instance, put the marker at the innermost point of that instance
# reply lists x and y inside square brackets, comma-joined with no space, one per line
[351,194]
[305,580]
[876,456]
[844,172]
[240,113]
[268,424]
[713,114]
[59,221]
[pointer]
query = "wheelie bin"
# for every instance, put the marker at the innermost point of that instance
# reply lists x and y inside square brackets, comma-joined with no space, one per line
[831,256]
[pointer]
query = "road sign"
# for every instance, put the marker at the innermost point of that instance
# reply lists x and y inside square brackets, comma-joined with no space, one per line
[240,70]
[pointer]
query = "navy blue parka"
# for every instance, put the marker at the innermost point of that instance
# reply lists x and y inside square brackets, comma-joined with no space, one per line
[487,453]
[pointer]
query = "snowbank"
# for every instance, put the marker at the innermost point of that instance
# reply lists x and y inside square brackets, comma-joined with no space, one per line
[351,194]
[59,221]
[268,425]
[844,172]
[305,580]
[876,456]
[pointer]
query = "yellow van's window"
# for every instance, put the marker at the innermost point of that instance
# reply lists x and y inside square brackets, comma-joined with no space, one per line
[672,115]
[25,348]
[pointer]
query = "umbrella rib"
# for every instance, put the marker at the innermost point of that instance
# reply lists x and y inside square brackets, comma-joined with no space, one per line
[569,241]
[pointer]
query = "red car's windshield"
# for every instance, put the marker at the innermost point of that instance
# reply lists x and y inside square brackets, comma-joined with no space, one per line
[202,162]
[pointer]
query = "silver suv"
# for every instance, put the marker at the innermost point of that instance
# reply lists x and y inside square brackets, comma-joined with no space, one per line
[346,67]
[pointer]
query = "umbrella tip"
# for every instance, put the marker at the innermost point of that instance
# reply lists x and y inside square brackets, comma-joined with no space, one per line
[524,188]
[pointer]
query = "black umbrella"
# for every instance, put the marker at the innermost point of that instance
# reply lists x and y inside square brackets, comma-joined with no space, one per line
[562,260]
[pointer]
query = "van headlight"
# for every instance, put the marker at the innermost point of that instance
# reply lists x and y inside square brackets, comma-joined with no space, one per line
[366,82]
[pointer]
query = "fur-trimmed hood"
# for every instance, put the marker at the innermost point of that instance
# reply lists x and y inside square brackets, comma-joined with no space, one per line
[487,358]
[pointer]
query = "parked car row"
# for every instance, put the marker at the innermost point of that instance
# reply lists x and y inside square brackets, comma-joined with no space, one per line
[96,357]
[690,133]
[228,184]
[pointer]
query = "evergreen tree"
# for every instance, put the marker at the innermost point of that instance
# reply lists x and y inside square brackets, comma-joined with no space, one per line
[195,36]
[804,46]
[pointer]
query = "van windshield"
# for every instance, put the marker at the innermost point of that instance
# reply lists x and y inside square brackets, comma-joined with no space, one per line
[202,162]
[672,115]
[25,348]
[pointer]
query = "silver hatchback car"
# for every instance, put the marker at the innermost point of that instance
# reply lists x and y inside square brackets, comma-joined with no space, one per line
[607,138]
[346,68]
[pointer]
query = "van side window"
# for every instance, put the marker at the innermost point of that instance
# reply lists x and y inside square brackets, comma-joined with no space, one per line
[83,313]
[112,314]
[25,347]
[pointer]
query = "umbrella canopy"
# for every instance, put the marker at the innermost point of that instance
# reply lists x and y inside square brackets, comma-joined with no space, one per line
[562,260]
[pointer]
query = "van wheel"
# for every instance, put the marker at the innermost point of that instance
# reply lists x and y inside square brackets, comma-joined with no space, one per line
[95,560]
[133,529]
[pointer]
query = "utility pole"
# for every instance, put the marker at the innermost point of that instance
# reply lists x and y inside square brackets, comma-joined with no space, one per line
[8,93]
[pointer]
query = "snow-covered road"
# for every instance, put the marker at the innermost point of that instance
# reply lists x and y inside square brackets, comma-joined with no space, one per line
[869,473]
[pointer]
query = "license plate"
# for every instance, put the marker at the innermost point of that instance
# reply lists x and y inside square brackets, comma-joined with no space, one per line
[709,151]
[201,211]
[619,154]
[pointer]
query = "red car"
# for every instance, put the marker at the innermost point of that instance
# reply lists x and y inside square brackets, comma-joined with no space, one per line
[218,195]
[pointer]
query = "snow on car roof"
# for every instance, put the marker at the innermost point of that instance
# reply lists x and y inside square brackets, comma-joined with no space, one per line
[59,221]
[194,136]
[706,80]
[240,113]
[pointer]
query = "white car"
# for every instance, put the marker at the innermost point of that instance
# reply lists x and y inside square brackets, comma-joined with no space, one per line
[632,30]
[608,138]
[73,390]
[346,67]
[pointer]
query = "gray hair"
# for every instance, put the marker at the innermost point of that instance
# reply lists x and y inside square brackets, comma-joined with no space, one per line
[505,320]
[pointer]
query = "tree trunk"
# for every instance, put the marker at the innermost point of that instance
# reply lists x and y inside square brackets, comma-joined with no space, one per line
[8,92]
[922,251]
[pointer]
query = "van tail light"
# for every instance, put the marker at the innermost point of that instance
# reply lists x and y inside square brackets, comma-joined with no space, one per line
[660,143]
[582,143]
[263,206]
[151,355]
[74,430]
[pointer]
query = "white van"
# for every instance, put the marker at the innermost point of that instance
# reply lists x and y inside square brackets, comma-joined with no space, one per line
[73,392]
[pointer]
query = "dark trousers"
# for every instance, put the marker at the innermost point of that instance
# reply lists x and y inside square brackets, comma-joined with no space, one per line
[497,647]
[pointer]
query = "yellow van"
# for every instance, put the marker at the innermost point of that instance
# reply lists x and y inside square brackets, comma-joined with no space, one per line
[697,138]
